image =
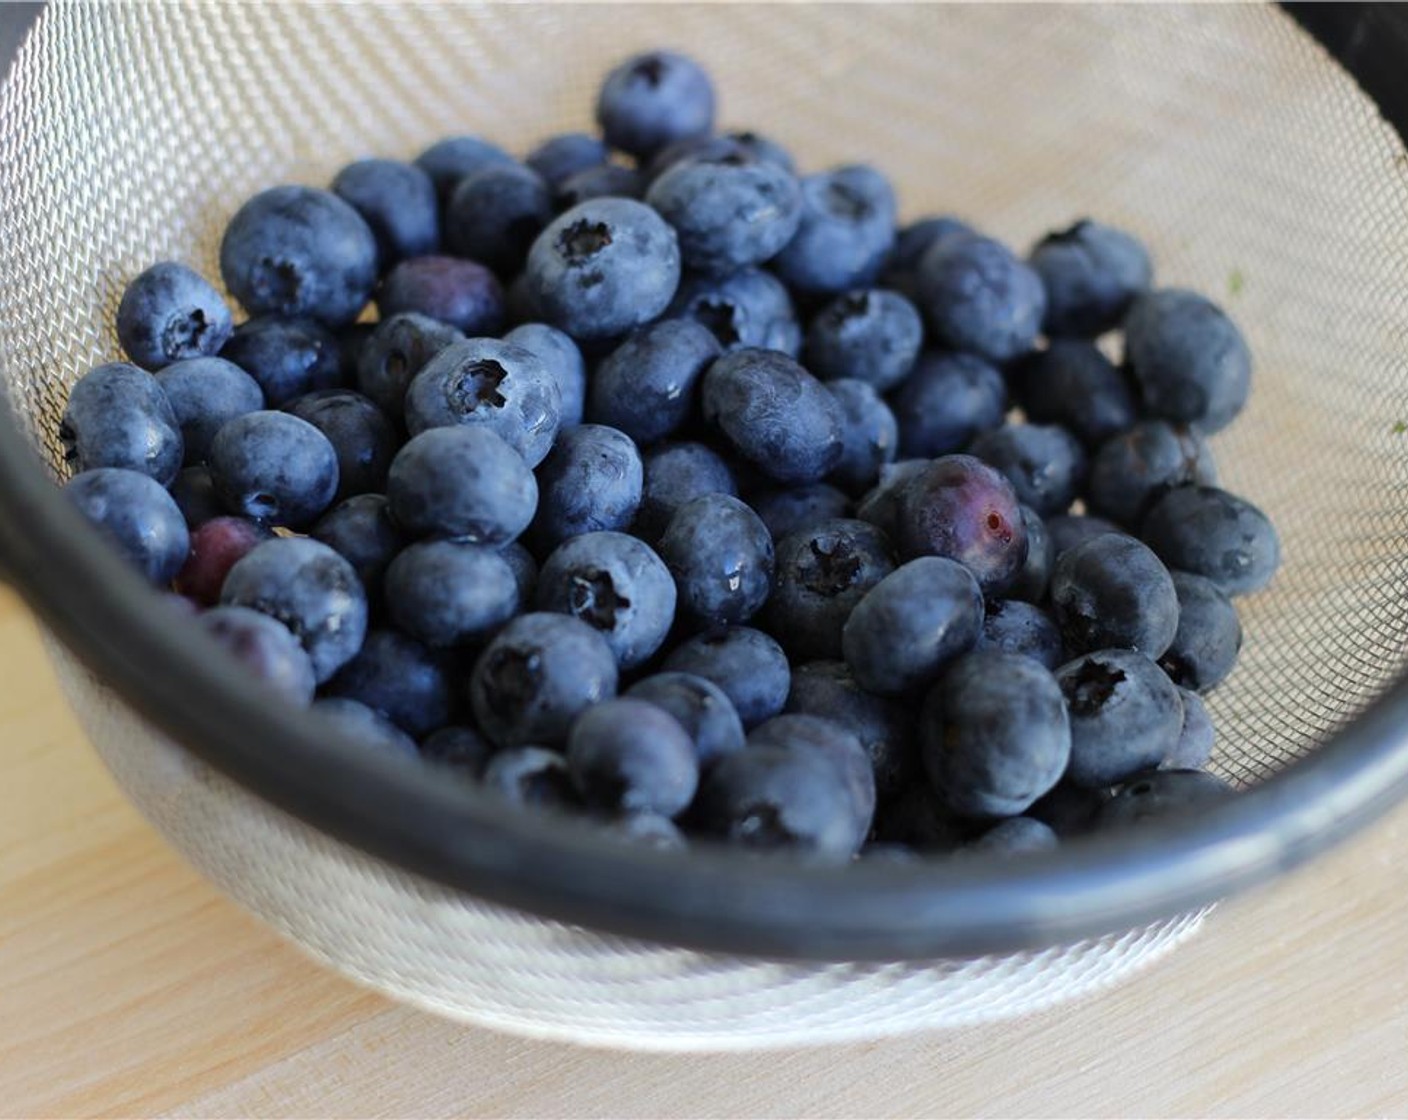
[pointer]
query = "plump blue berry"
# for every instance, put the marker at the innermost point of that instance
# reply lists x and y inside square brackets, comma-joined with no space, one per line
[869,434]
[1069,810]
[462,294]
[195,496]
[869,334]
[749,308]
[919,820]
[748,665]
[1012,626]
[881,504]
[721,556]
[654,99]
[700,706]
[1188,358]
[980,298]
[299,251]
[1091,273]
[1163,795]
[563,362]
[1072,384]
[646,387]
[463,482]
[846,231]
[792,509]
[1208,638]
[901,271]
[117,416]
[170,313]
[590,481]
[1111,592]
[1045,464]
[397,201]
[838,745]
[271,466]
[401,679]
[1016,836]
[204,394]
[450,593]
[458,748]
[288,357]
[356,724]
[947,401]
[1034,577]
[1125,716]
[675,473]
[265,649]
[359,432]
[1134,469]
[628,756]
[560,157]
[747,143]
[1195,739]
[525,568]
[995,734]
[495,213]
[450,160]
[361,530]
[531,777]
[1066,530]
[608,180]
[1212,533]
[136,516]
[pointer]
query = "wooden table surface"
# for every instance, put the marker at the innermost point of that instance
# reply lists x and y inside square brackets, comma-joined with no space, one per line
[129,987]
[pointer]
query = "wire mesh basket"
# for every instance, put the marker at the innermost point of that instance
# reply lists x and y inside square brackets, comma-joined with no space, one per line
[1252,164]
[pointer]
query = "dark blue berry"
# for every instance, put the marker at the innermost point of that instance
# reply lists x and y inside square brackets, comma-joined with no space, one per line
[749,308]
[458,748]
[869,334]
[792,509]
[1125,716]
[495,213]
[700,706]
[608,180]
[947,401]
[450,160]
[901,271]
[136,516]
[195,496]
[204,394]
[1111,592]
[1212,533]
[1163,795]
[463,482]
[1066,530]
[590,481]
[869,435]
[746,664]
[1134,469]
[1072,384]
[839,746]
[117,416]
[721,556]
[560,157]
[1188,358]
[676,473]
[264,648]
[399,678]
[1195,739]
[563,362]
[270,466]
[360,529]
[450,593]
[525,569]
[1012,626]
[654,99]
[628,756]
[748,143]
[881,504]
[846,231]
[1208,638]
[979,298]
[288,357]
[531,777]
[1069,809]
[1045,464]
[1091,273]
[170,313]
[919,819]
[397,201]
[462,294]
[1034,577]
[646,387]
[359,432]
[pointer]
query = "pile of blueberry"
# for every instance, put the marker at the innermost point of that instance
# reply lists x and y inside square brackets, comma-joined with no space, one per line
[675,487]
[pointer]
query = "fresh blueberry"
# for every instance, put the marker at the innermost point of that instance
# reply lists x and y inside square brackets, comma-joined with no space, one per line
[700,706]
[881,504]
[792,509]
[399,348]
[136,516]
[462,294]
[311,590]
[901,271]
[215,547]
[450,593]
[1045,464]
[274,467]
[117,416]
[750,144]
[463,482]
[649,830]
[537,675]
[397,677]
[676,473]
[359,432]
[822,573]
[195,496]
[1072,384]
[458,748]
[397,201]
[1195,739]
[1111,592]
[360,529]
[264,648]
[869,334]
[1208,638]
[869,435]
[357,724]
[299,251]
[947,401]
[1188,358]
[746,664]
[829,689]
[994,734]
[1163,795]
[497,386]
[1091,273]
[563,362]
[1125,716]
[654,99]
[560,157]
[603,267]
[495,213]
[1069,809]
[590,481]
[646,386]
[450,160]
[532,777]
[628,756]
[204,394]
[775,414]
[959,507]
[1016,836]
[1035,575]
[525,569]
[721,556]
[840,746]
[1066,530]
[609,180]
[846,231]
[1012,626]
[749,308]
[1133,470]
[911,624]
[1212,533]
[170,313]
[919,819]
[979,298]
[288,357]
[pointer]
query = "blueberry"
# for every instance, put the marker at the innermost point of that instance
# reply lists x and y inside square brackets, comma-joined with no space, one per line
[947,401]
[979,298]
[497,386]
[397,677]
[869,435]
[590,481]
[1212,533]
[609,180]
[829,689]
[846,231]
[792,509]
[264,648]
[195,496]
[868,334]
[358,431]
[1208,638]
[721,556]
[311,590]
[525,569]
[1188,358]
[1012,626]
[675,473]
[1016,836]
[646,387]
[901,271]
[654,99]
[1125,716]
[994,734]
[495,213]
[959,507]
[919,819]
[911,624]
[1069,809]
[560,157]
[204,393]
[1066,530]
[603,267]
[299,251]
[170,313]
[458,748]
[117,416]
[748,143]
[746,664]
[462,294]
[357,724]
[822,573]
[1111,592]
[1034,577]
[775,414]
[461,482]
[1072,384]
[531,776]
[881,504]
[839,746]
[1163,795]
[701,707]
[628,756]
[563,362]
[450,160]
[274,467]
[450,593]
[749,308]
[136,516]
[1044,463]
[397,201]
[398,349]
[360,529]
[538,674]
[1091,273]
[1133,470]
[215,547]
[649,830]
[288,357]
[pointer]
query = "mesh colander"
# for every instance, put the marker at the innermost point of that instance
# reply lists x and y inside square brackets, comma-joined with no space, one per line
[1255,167]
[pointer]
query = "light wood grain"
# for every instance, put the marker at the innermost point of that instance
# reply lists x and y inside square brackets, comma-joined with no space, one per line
[129,987]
